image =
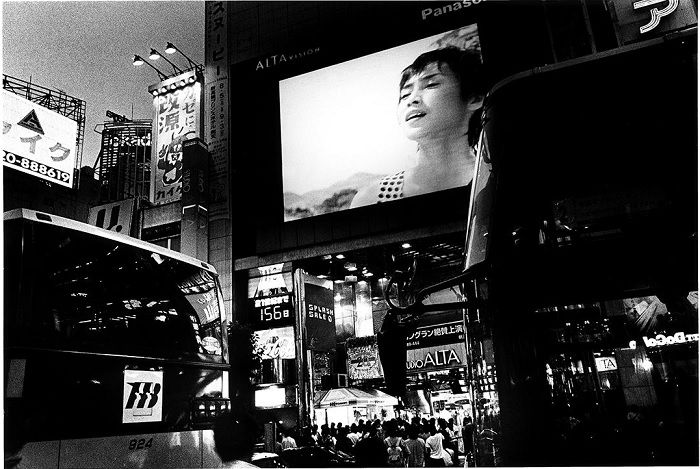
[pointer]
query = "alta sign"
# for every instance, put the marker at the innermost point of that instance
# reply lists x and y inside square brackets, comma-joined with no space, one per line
[445,357]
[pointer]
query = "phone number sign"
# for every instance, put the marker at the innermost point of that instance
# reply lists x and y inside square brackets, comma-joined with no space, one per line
[38,141]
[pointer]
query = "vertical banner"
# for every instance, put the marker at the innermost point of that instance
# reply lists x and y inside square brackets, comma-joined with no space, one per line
[320,317]
[216,99]
[177,118]
[363,358]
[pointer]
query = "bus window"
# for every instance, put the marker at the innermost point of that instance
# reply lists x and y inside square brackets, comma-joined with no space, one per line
[93,297]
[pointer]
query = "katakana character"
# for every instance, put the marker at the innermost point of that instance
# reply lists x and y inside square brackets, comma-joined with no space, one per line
[656,14]
[58,147]
[190,107]
[33,140]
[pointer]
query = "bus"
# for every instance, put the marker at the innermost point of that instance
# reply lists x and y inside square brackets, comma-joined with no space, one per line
[581,255]
[115,350]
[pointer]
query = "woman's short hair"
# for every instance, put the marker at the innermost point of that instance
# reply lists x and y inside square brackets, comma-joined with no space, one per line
[467,67]
[465,64]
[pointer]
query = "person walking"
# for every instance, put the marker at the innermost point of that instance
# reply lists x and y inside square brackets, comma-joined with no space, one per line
[370,450]
[395,449]
[415,447]
[436,452]
[287,440]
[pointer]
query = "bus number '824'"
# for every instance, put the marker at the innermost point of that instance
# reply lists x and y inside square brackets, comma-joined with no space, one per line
[141,443]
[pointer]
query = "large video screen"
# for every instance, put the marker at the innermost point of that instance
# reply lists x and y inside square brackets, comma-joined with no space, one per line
[364,131]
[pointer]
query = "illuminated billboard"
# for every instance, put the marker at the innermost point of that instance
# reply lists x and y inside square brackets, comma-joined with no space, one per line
[276,343]
[177,117]
[362,132]
[38,141]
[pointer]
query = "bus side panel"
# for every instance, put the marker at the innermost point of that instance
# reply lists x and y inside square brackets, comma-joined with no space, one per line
[209,456]
[40,455]
[163,450]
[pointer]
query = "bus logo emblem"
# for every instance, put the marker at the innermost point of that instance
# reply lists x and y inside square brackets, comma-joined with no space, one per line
[142,398]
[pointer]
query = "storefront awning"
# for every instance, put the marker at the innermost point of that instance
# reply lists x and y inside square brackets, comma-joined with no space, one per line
[352,397]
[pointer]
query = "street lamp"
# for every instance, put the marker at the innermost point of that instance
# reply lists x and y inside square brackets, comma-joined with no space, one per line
[171,49]
[138,61]
[155,55]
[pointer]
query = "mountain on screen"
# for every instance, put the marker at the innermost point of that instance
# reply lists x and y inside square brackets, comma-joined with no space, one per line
[333,198]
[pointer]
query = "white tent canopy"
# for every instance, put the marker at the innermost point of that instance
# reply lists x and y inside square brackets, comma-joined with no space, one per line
[352,397]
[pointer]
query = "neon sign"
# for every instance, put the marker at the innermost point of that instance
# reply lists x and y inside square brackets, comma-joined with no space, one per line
[656,14]
[677,338]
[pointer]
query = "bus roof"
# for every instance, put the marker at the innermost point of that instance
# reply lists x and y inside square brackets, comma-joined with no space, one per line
[48,219]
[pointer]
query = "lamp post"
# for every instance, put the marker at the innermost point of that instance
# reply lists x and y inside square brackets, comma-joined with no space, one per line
[170,48]
[138,61]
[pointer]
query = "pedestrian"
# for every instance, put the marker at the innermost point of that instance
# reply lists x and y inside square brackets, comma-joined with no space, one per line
[327,440]
[415,447]
[436,452]
[424,430]
[344,443]
[315,435]
[234,439]
[395,449]
[354,436]
[288,441]
[370,450]
[448,443]
[468,437]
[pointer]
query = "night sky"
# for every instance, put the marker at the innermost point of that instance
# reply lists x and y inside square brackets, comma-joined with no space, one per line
[86,49]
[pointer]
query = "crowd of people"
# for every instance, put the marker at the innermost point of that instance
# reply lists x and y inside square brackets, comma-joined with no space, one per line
[391,443]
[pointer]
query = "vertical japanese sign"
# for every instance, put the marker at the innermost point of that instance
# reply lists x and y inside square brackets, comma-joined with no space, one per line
[38,141]
[320,318]
[216,99]
[177,118]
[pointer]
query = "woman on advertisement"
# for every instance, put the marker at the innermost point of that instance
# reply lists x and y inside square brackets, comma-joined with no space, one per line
[439,107]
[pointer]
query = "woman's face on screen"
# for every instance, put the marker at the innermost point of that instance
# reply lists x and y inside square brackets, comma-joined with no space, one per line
[430,104]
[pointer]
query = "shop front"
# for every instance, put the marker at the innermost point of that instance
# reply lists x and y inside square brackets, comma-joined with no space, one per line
[350,405]
[316,323]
